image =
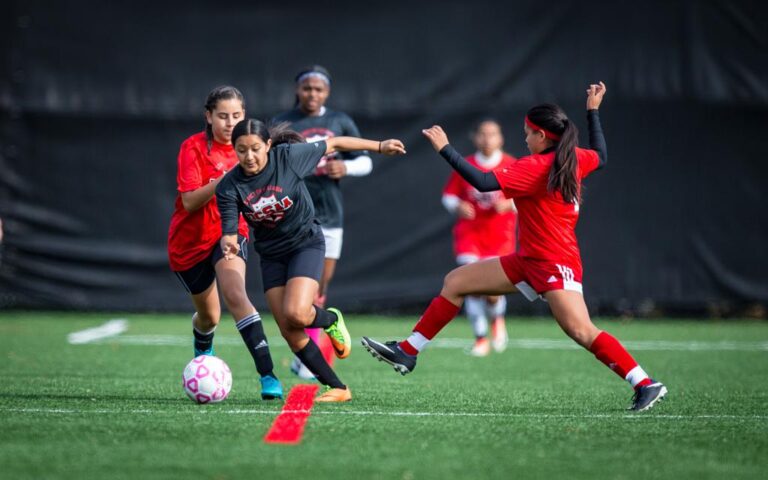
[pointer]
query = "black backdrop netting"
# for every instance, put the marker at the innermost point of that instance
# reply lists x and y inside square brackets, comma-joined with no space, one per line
[96,99]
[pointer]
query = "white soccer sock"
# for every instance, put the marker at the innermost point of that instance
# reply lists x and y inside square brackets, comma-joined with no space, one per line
[497,309]
[417,341]
[475,308]
[636,375]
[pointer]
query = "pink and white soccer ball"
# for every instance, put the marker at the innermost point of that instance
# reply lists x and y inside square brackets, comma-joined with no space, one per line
[207,379]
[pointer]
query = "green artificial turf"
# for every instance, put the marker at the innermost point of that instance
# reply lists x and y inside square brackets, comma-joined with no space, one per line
[115,408]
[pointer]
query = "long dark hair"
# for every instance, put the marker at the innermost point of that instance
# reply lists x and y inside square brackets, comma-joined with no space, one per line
[222,92]
[278,133]
[562,177]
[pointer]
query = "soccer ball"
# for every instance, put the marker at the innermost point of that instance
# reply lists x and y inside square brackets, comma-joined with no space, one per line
[207,379]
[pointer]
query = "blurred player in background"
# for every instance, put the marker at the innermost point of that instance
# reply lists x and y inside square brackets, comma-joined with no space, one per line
[194,234]
[315,122]
[546,186]
[268,189]
[485,228]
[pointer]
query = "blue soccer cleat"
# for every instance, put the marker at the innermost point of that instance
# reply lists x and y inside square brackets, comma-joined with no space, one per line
[270,388]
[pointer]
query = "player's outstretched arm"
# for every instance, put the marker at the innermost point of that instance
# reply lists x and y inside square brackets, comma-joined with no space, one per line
[350,144]
[483,181]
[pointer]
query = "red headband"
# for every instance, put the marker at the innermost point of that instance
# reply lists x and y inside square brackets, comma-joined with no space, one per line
[547,133]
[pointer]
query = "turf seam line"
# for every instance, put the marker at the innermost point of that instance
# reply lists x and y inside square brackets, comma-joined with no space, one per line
[308,411]
[464,343]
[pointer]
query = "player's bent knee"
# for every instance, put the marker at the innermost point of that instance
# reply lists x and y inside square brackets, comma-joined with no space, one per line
[452,283]
[297,318]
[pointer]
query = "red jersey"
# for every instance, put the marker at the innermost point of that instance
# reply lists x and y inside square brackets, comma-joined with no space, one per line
[490,233]
[192,235]
[546,223]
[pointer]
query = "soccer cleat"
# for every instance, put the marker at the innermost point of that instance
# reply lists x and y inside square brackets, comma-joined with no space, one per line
[270,388]
[391,353]
[500,336]
[339,335]
[481,348]
[645,397]
[301,370]
[333,395]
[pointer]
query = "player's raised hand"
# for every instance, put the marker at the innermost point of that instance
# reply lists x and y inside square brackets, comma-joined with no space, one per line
[436,136]
[595,94]
[392,147]
[229,246]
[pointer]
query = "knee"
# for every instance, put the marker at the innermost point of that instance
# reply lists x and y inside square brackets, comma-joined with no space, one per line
[298,317]
[452,284]
[582,334]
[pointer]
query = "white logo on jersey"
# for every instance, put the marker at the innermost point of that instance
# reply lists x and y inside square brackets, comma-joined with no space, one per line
[269,209]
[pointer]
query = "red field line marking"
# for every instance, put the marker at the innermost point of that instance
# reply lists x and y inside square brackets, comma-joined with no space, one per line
[288,427]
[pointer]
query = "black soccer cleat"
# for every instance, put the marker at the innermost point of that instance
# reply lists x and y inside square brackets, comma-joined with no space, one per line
[391,353]
[645,397]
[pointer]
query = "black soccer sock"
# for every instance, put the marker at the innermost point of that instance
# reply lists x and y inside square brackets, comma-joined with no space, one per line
[253,335]
[203,341]
[323,318]
[313,359]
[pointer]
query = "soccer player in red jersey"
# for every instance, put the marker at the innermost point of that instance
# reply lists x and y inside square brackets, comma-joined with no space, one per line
[485,228]
[195,231]
[546,186]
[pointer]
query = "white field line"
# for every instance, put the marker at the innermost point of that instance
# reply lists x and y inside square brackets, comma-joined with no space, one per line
[463,343]
[110,329]
[203,410]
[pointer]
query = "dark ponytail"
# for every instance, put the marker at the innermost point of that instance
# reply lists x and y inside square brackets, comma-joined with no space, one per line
[278,133]
[562,176]
[223,92]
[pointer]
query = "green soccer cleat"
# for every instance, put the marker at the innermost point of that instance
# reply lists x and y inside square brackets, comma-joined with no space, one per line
[339,335]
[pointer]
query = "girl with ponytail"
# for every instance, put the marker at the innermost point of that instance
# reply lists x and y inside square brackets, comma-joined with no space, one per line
[194,234]
[546,188]
[268,188]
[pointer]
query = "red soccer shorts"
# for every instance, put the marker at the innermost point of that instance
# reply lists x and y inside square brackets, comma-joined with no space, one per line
[534,277]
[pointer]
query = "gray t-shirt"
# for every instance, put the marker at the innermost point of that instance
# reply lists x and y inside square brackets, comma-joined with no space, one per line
[275,202]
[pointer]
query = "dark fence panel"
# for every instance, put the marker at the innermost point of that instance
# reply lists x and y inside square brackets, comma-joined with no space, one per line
[95,100]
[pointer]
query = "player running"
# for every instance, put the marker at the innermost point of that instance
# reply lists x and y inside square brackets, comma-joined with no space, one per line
[195,231]
[268,188]
[546,186]
[485,228]
[312,119]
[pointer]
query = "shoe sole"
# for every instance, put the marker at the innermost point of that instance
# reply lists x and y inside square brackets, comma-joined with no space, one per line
[399,367]
[267,396]
[659,397]
[332,400]
[344,352]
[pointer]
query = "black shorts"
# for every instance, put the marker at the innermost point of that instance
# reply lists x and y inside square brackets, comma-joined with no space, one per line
[198,278]
[306,261]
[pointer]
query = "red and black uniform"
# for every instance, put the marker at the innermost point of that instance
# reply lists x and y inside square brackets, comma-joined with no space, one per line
[489,233]
[548,257]
[193,237]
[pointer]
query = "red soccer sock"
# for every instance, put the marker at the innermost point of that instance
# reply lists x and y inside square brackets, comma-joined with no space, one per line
[609,351]
[439,313]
